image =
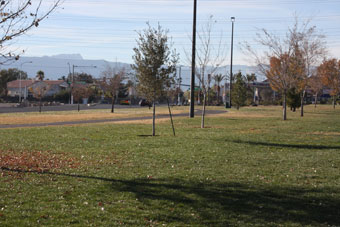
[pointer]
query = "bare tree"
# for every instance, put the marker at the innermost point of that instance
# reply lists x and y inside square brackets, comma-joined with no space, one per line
[316,86]
[81,91]
[210,57]
[111,82]
[310,45]
[18,17]
[39,90]
[289,61]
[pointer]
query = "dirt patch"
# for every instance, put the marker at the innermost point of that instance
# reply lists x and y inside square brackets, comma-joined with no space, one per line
[56,118]
[325,133]
[36,161]
[34,118]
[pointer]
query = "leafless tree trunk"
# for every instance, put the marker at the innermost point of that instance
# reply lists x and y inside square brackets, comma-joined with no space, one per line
[302,102]
[284,105]
[209,56]
[154,118]
[113,104]
[172,123]
[40,105]
[315,99]
[203,111]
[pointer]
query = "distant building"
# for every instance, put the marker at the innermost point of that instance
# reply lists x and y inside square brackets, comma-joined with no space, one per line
[14,88]
[53,86]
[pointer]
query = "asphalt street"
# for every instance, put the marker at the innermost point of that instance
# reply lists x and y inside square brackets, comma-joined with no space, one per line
[9,108]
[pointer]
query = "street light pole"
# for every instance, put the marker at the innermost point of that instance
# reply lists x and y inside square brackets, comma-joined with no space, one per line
[231,60]
[179,85]
[72,80]
[20,78]
[193,59]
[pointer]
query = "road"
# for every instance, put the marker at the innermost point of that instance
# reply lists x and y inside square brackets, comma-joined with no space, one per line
[8,108]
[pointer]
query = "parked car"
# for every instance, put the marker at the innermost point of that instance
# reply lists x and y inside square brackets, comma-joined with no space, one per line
[144,102]
[125,102]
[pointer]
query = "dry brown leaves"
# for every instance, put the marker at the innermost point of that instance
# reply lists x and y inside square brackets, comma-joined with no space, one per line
[33,161]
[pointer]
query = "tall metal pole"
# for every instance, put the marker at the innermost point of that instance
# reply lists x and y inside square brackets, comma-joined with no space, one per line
[231,60]
[72,81]
[193,64]
[179,85]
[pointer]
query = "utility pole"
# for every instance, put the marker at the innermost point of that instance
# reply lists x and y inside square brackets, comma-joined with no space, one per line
[72,81]
[193,64]
[231,60]
[179,85]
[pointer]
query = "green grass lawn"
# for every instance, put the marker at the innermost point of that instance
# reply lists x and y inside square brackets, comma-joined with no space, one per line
[247,168]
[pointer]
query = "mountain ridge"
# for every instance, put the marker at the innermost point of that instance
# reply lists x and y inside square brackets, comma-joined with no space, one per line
[60,65]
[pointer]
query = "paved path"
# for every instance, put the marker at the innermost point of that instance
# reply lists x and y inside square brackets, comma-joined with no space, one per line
[9,108]
[159,116]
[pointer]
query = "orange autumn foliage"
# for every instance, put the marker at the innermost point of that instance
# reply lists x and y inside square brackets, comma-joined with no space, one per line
[285,72]
[329,71]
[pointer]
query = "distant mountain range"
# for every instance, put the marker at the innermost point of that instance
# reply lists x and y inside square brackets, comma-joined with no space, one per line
[57,66]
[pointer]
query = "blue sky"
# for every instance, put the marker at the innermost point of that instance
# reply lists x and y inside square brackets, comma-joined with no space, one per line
[104,29]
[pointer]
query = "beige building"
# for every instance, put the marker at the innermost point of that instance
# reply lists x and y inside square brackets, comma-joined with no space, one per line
[24,86]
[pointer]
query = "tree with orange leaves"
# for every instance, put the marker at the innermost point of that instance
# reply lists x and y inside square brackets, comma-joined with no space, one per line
[289,62]
[283,74]
[329,71]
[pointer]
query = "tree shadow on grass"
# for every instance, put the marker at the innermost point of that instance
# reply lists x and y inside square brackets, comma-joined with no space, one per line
[147,135]
[299,146]
[190,202]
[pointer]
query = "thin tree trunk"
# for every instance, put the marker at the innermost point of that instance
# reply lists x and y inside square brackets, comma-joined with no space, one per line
[198,96]
[113,104]
[154,119]
[284,105]
[218,94]
[302,103]
[333,102]
[208,97]
[78,106]
[172,123]
[203,111]
[40,105]
[315,99]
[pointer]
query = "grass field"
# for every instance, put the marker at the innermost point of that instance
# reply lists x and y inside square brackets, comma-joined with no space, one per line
[247,168]
[83,115]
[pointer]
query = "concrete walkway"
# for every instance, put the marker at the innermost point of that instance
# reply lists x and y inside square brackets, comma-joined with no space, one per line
[160,116]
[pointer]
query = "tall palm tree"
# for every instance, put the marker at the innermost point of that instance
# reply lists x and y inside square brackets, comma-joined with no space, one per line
[40,75]
[218,79]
